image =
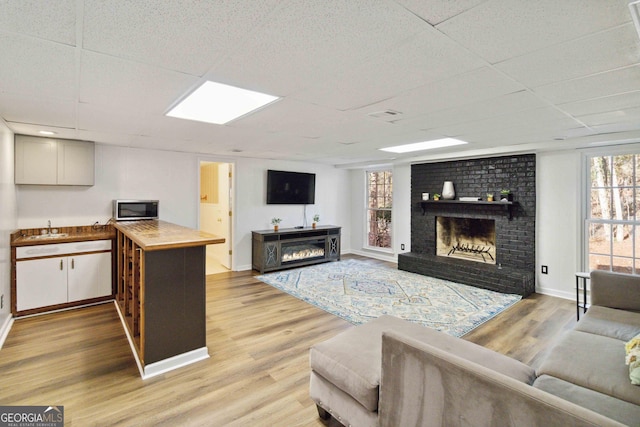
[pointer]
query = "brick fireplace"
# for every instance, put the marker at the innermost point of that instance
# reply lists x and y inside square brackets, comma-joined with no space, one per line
[507,233]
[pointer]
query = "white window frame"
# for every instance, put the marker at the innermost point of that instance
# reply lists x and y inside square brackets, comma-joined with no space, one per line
[586,205]
[366,245]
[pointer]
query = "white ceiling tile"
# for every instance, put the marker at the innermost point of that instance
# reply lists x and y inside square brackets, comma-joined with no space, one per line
[313,44]
[436,11]
[471,87]
[539,118]
[618,116]
[501,29]
[45,111]
[177,35]
[292,116]
[503,105]
[597,53]
[616,81]
[425,58]
[55,21]
[104,119]
[130,86]
[602,105]
[37,67]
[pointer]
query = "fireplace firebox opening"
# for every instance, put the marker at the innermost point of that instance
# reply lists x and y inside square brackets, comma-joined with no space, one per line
[472,239]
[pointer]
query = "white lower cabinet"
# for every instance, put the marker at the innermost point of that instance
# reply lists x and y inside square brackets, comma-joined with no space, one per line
[89,276]
[43,282]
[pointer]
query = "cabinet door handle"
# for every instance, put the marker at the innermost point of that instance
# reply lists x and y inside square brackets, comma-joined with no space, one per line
[73,263]
[61,265]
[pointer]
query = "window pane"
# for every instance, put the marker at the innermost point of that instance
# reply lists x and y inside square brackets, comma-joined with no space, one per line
[622,170]
[622,265]
[637,169]
[601,203]
[599,241]
[600,176]
[599,262]
[626,206]
[622,240]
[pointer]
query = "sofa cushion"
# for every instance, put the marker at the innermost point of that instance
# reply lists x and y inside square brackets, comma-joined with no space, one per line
[619,410]
[610,322]
[352,359]
[591,361]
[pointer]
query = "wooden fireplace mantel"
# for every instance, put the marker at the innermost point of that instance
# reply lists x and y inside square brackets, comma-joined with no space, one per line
[504,206]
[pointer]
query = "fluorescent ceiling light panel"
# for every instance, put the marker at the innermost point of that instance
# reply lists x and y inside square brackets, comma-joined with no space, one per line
[46,132]
[219,103]
[426,145]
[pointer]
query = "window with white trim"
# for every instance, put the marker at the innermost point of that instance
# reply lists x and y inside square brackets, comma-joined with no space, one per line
[378,209]
[612,226]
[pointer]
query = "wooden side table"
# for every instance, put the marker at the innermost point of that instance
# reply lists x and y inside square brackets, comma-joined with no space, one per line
[581,276]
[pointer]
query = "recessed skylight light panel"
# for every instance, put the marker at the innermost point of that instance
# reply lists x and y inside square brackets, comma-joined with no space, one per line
[219,103]
[425,145]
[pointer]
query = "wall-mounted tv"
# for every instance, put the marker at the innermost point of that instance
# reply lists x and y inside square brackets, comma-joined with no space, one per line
[290,188]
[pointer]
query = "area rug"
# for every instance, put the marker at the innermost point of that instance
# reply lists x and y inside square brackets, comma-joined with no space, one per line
[358,291]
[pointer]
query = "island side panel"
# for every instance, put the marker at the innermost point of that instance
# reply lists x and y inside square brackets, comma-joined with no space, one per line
[175,314]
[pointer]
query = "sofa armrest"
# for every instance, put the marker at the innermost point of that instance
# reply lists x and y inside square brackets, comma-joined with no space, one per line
[615,290]
[422,385]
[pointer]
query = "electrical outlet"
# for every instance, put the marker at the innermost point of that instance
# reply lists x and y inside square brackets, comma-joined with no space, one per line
[402,247]
[545,269]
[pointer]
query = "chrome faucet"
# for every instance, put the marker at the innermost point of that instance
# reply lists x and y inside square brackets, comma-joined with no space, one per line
[49,227]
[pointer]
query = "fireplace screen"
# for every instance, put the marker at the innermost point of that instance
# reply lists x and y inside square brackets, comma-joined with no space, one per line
[472,239]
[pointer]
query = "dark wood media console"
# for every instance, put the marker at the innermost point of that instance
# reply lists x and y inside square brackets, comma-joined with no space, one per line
[294,247]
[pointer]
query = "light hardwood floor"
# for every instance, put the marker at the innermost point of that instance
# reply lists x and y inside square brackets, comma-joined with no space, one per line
[258,338]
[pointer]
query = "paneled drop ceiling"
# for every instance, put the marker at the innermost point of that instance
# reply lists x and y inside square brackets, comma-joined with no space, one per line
[504,75]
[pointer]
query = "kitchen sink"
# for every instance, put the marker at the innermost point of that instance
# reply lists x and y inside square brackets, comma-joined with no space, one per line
[47,236]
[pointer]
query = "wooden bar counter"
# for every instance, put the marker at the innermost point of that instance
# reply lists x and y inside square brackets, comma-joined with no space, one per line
[160,292]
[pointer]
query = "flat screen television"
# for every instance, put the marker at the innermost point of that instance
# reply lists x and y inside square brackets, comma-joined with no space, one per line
[290,188]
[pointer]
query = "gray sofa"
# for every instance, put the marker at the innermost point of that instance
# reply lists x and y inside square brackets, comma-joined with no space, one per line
[389,372]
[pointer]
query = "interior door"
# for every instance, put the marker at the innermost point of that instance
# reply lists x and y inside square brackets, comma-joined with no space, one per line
[223,218]
[215,208]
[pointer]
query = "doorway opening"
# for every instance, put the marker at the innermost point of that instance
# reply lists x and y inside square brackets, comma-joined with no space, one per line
[216,210]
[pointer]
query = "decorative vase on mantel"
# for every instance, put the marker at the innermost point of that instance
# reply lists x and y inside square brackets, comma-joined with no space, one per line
[448,193]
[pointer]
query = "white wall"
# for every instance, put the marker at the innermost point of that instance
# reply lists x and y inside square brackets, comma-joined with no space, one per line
[401,213]
[172,178]
[333,195]
[558,230]
[121,173]
[8,224]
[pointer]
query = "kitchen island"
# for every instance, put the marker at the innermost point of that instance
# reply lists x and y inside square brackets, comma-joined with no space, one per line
[160,292]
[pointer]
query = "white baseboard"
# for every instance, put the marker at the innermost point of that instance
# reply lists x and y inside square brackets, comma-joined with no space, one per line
[5,328]
[556,293]
[175,362]
[374,255]
[162,366]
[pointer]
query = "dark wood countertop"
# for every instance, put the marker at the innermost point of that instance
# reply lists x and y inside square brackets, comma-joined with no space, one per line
[153,235]
[81,233]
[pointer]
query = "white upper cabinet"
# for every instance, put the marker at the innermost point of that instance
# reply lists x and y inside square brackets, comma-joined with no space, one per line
[48,161]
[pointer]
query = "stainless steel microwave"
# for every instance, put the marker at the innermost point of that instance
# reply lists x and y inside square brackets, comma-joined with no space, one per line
[129,210]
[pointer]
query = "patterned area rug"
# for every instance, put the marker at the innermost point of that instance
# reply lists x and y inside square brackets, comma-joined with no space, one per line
[358,292]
